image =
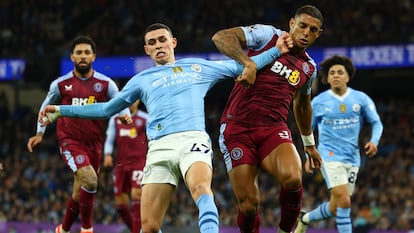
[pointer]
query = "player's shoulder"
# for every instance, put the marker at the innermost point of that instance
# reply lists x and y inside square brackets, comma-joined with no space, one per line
[357,93]
[260,27]
[64,77]
[101,76]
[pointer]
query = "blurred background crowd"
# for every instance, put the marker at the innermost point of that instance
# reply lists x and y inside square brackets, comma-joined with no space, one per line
[42,29]
[35,186]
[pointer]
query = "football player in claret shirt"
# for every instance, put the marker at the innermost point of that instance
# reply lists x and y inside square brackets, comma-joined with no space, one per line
[179,147]
[254,133]
[128,143]
[80,141]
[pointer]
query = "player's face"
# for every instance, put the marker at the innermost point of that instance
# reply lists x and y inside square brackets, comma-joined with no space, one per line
[160,45]
[83,57]
[338,77]
[304,30]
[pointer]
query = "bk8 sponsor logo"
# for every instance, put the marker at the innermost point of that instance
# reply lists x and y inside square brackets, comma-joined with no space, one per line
[83,101]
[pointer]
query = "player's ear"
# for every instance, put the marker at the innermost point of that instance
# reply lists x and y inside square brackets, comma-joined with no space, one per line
[291,23]
[146,50]
[174,41]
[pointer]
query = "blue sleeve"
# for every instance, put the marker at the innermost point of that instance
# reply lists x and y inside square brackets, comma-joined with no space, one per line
[110,136]
[266,57]
[95,111]
[232,68]
[261,60]
[377,129]
[315,107]
[113,90]
[258,35]
[306,89]
[373,118]
[52,97]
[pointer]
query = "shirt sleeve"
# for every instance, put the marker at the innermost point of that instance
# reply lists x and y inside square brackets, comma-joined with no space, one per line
[232,68]
[259,35]
[373,118]
[110,136]
[95,111]
[113,90]
[52,97]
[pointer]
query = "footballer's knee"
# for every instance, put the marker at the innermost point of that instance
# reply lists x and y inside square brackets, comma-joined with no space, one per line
[291,181]
[88,178]
[249,204]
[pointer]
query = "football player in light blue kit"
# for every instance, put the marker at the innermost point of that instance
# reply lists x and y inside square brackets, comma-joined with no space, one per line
[338,115]
[173,93]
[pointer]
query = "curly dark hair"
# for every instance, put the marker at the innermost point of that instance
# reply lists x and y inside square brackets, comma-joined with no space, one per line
[326,64]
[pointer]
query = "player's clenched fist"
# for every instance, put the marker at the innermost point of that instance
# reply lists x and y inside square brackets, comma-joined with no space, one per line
[49,115]
[284,43]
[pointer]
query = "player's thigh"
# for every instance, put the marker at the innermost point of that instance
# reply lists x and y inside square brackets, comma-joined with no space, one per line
[284,163]
[155,199]
[244,181]
[237,146]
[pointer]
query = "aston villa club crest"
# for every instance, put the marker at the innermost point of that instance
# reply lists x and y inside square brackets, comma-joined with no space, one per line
[236,153]
[98,87]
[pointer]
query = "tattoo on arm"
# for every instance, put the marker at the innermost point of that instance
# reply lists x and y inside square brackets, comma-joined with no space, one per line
[232,42]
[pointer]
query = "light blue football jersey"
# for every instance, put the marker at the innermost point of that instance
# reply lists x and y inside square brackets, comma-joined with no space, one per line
[173,93]
[339,120]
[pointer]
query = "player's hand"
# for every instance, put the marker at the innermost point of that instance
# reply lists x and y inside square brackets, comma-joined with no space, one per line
[284,43]
[126,119]
[108,161]
[370,149]
[248,76]
[33,141]
[49,115]
[1,167]
[314,160]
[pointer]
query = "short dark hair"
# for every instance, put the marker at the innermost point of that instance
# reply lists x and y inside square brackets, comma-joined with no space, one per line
[325,65]
[156,26]
[83,40]
[310,10]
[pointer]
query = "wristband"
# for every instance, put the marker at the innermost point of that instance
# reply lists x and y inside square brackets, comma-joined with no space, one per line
[308,140]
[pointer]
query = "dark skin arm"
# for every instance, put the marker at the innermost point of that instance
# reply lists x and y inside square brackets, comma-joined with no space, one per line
[303,114]
[232,42]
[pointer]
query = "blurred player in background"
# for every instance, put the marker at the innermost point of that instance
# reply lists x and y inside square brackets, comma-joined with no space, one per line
[254,131]
[179,147]
[130,144]
[338,115]
[80,141]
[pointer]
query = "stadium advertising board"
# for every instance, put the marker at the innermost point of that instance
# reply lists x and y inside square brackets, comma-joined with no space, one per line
[11,69]
[364,57]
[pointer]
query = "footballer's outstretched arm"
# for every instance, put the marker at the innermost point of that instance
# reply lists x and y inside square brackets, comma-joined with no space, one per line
[92,111]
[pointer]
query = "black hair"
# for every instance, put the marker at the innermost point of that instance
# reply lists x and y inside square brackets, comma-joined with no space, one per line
[310,10]
[83,40]
[325,65]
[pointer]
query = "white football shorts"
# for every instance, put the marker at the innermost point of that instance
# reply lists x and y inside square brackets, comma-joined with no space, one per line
[337,173]
[170,157]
